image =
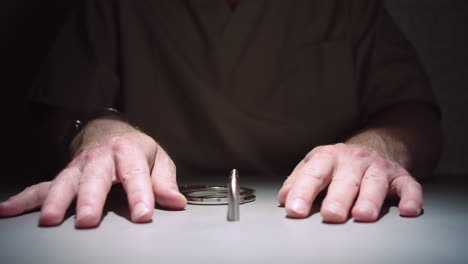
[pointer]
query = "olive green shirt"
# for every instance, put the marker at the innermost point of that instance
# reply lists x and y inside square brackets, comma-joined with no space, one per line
[254,88]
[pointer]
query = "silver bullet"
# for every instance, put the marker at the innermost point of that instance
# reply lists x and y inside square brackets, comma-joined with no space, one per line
[233,196]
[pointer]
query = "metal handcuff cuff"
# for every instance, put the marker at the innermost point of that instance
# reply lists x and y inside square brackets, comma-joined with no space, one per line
[233,195]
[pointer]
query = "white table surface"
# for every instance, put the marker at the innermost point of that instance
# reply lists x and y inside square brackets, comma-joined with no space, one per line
[201,234]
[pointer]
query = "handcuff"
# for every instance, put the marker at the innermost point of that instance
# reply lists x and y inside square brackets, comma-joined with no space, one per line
[214,195]
[232,195]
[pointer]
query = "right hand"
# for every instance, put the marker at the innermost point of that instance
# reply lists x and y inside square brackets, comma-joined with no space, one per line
[109,152]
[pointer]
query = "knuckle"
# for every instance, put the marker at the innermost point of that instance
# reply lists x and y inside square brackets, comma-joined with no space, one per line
[417,185]
[132,173]
[91,173]
[376,178]
[158,189]
[36,199]
[383,163]
[288,181]
[29,196]
[164,157]
[42,190]
[359,153]
[43,186]
[65,180]
[327,149]
[320,152]
[350,182]
[148,139]
[136,196]
[314,174]
[74,162]
[304,196]
[404,180]
[172,166]
[340,145]
[400,171]
[67,173]
[308,157]
[122,144]
[87,200]
[31,190]
[163,160]
[92,154]
[95,178]
[408,179]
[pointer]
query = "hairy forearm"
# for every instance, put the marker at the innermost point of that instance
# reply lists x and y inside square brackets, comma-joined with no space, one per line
[409,134]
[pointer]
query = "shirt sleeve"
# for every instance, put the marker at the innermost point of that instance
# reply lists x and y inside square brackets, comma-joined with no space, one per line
[80,73]
[388,67]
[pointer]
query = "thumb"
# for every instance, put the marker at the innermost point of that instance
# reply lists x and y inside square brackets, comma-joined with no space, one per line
[163,177]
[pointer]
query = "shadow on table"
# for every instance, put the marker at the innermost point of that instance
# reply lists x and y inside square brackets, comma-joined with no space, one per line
[116,202]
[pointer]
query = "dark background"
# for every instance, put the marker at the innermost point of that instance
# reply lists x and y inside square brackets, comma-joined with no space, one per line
[438,29]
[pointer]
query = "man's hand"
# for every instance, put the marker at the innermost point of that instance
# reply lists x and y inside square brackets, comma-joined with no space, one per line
[107,152]
[358,181]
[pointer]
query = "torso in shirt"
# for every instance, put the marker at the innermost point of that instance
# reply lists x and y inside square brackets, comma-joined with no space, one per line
[256,87]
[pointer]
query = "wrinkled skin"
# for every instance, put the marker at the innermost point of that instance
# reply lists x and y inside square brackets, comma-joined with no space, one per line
[358,181]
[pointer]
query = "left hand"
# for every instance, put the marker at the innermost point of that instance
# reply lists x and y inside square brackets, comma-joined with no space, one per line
[349,171]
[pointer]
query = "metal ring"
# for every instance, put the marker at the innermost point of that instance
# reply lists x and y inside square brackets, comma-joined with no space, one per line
[214,195]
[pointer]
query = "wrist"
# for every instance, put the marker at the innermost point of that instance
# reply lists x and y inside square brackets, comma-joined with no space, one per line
[98,131]
[96,128]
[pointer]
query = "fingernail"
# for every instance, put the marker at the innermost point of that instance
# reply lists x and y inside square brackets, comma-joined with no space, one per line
[335,208]
[298,206]
[368,208]
[47,210]
[413,206]
[139,211]
[50,216]
[85,211]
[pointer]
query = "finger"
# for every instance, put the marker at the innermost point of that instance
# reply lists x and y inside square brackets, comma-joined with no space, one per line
[94,185]
[165,182]
[283,192]
[312,178]
[61,193]
[133,171]
[342,191]
[374,188]
[29,199]
[411,195]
